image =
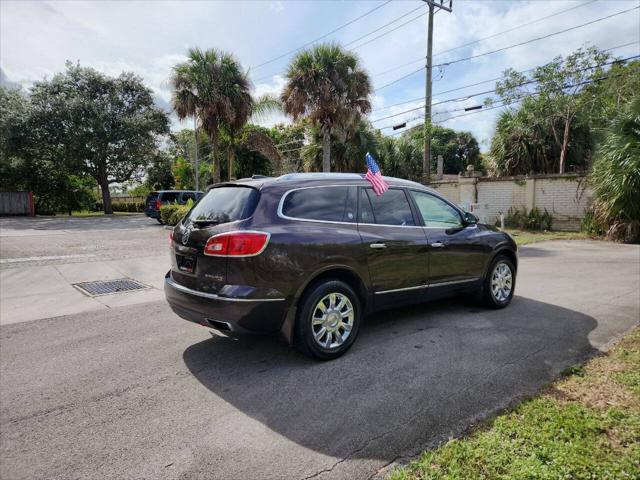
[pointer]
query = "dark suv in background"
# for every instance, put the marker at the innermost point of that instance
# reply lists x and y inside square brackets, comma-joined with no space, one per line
[309,255]
[155,200]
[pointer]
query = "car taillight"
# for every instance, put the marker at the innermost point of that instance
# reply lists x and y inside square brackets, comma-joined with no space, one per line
[158,204]
[171,239]
[236,244]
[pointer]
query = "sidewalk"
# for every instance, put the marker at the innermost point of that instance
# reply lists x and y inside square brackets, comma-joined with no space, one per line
[37,292]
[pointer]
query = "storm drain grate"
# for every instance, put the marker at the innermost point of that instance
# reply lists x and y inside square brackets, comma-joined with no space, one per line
[109,287]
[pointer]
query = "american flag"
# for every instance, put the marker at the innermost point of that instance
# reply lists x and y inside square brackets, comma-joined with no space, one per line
[374,176]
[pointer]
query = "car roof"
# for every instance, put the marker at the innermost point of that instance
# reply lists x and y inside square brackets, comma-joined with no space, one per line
[297,180]
[176,191]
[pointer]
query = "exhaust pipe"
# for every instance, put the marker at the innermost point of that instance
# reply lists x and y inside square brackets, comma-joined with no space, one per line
[218,325]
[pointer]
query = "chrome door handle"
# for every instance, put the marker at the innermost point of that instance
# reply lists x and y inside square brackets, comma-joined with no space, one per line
[437,245]
[378,245]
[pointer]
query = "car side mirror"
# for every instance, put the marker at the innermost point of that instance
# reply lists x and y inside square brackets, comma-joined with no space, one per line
[470,219]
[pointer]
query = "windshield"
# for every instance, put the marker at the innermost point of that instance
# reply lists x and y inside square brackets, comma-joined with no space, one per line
[225,204]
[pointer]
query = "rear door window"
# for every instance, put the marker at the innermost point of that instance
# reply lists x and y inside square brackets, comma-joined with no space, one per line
[390,208]
[225,204]
[329,204]
[169,197]
[186,196]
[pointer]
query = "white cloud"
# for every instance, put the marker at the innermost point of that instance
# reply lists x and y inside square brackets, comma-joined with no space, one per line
[150,37]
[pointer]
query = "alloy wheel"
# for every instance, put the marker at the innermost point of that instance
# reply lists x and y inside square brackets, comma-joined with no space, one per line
[332,320]
[501,282]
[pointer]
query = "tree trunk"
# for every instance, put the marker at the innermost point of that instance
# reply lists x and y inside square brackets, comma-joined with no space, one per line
[326,152]
[565,144]
[106,196]
[216,163]
[230,159]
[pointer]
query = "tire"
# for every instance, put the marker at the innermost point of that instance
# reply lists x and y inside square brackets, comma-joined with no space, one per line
[159,221]
[336,322]
[503,270]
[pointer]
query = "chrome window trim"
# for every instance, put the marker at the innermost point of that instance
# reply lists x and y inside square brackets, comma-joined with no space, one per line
[212,296]
[428,285]
[284,195]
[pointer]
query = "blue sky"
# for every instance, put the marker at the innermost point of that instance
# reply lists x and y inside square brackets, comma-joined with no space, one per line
[149,37]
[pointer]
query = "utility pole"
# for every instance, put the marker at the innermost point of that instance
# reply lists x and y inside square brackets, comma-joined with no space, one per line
[195,138]
[426,154]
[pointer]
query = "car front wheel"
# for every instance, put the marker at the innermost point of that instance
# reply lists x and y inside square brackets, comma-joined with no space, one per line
[328,320]
[499,283]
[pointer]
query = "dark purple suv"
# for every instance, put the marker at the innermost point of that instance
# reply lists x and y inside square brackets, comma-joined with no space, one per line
[310,255]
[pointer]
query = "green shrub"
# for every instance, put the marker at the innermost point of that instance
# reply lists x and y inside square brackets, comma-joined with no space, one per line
[534,220]
[590,225]
[172,214]
[616,176]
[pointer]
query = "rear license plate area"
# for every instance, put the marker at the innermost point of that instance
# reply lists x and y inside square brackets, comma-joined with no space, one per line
[186,263]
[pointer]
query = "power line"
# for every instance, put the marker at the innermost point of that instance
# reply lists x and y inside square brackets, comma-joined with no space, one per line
[486,38]
[387,32]
[535,39]
[466,97]
[484,81]
[267,77]
[323,36]
[505,104]
[366,35]
[515,28]
[386,25]
[459,60]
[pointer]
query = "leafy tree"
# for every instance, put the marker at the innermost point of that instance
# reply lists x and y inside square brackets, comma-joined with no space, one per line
[556,86]
[106,127]
[349,147]
[289,140]
[458,149]
[159,173]
[616,176]
[605,99]
[28,163]
[183,174]
[327,86]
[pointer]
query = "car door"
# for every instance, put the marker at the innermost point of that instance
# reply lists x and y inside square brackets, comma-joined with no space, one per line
[395,245]
[456,253]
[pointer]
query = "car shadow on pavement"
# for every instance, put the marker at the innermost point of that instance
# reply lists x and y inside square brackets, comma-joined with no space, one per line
[415,376]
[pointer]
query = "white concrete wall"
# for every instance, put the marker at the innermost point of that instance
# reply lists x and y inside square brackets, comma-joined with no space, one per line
[566,197]
[449,190]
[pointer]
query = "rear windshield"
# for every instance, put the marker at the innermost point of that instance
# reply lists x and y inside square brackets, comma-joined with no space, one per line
[152,196]
[225,204]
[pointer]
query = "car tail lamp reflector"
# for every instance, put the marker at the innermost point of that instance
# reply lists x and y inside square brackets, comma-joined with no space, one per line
[237,244]
[171,239]
[158,204]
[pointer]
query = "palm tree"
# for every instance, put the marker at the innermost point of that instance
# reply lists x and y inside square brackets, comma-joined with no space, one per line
[326,85]
[212,87]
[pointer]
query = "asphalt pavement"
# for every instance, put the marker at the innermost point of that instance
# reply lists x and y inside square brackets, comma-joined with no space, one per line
[134,392]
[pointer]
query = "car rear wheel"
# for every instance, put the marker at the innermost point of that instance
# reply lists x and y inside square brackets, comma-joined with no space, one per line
[500,283]
[328,320]
[159,220]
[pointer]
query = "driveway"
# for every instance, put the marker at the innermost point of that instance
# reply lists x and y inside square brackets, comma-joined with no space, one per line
[135,392]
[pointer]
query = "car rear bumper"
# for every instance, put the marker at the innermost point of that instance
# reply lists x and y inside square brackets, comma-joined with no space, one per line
[152,213]
[238,315]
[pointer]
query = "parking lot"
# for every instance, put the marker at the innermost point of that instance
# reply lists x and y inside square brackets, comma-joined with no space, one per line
[122,388]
